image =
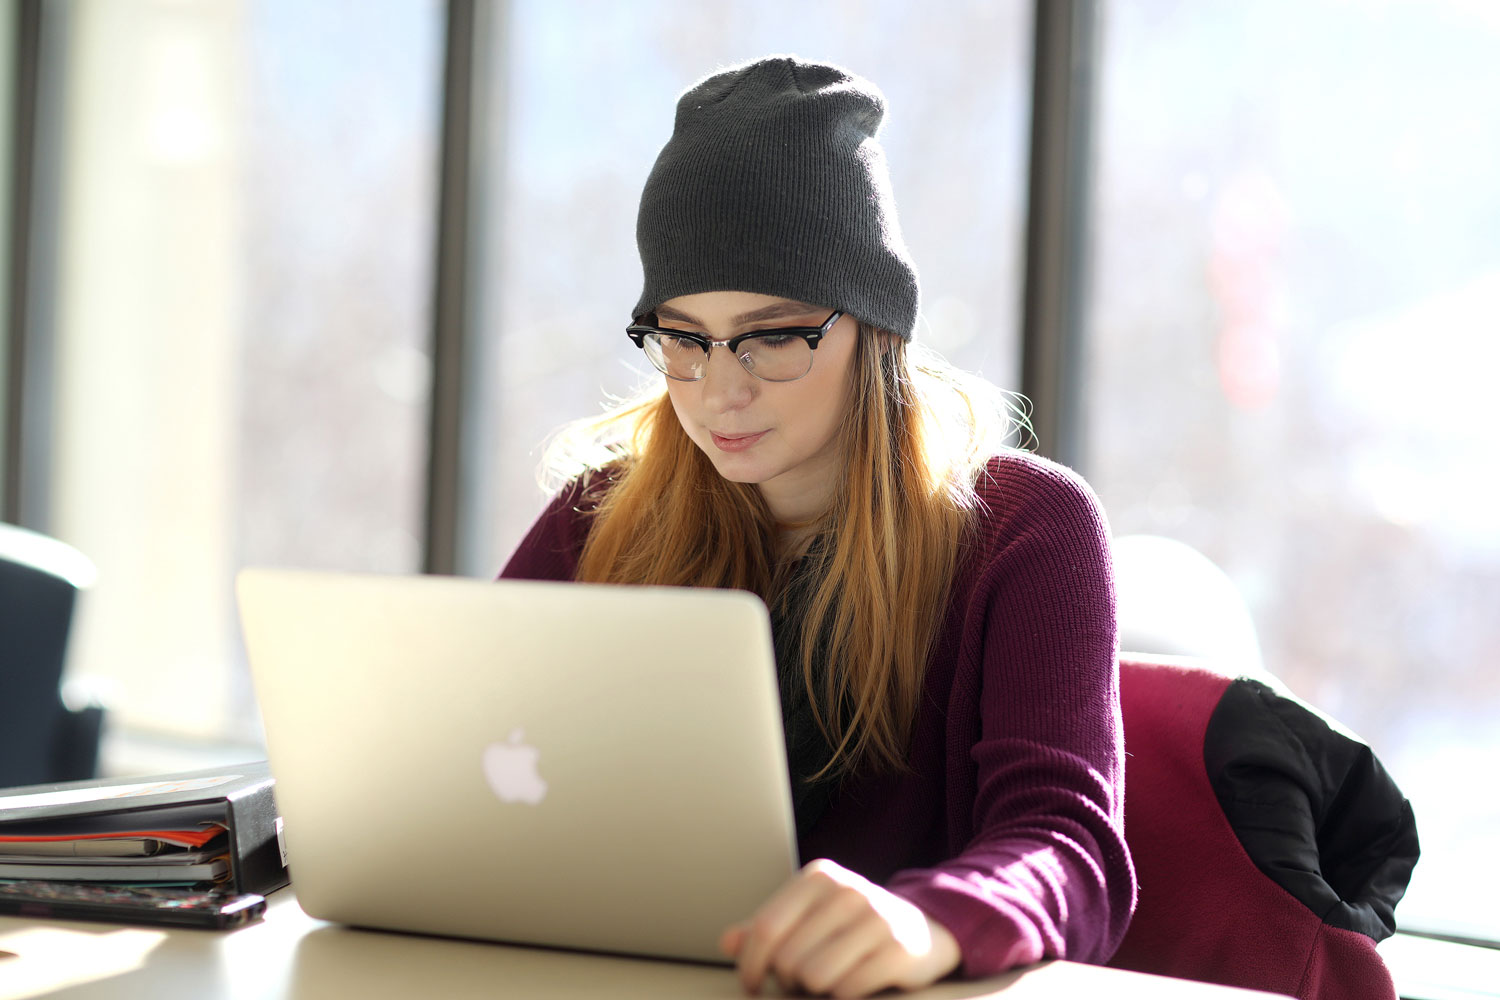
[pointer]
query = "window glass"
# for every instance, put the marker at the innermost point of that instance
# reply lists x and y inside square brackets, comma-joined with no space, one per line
[243,278]
[583,99]
[1293,342]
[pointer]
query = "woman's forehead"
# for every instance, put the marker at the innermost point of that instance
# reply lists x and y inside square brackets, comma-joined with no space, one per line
[734,308]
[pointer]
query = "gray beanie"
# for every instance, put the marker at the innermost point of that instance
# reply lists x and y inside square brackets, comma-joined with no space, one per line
[773,182]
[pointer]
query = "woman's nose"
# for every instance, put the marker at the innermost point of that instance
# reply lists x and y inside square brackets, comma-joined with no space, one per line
[726,384]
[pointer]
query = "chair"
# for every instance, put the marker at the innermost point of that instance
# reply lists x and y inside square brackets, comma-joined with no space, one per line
[1270,846]
[41,739]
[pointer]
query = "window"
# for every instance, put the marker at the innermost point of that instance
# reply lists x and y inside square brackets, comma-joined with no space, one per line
[1292,348]
[243,280]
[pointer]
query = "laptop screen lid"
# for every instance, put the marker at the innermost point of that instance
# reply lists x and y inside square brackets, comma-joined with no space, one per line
[578,765]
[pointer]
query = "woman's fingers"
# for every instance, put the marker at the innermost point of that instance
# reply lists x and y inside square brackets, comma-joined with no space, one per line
[828,938]
[830,931]
[878,970]
[732,940]
[777,918]
[834,957]
[907,962]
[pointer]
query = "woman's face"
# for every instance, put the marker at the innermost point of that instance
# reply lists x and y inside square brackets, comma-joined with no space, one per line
[782,436]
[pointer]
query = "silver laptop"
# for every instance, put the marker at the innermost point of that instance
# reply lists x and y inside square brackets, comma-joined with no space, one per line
[577,765]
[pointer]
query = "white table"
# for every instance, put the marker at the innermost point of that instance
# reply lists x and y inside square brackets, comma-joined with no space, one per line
[292,955]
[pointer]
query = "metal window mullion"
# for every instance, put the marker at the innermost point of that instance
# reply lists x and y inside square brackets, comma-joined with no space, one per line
[1058,206]
[31,281]
[451,307]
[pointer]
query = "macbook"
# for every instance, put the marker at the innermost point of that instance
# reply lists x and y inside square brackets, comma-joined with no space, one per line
[576,765]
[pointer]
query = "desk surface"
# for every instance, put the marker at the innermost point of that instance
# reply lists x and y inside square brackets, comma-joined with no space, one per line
[291,955]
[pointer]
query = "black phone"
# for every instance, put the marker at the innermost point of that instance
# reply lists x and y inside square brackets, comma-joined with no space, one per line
[125,904]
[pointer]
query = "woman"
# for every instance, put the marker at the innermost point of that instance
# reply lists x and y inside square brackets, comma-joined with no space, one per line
[942,606]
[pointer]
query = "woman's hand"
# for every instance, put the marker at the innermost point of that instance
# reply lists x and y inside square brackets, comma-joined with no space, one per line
[830,931]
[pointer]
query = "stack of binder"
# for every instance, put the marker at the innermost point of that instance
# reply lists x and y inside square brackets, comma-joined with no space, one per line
[215,828]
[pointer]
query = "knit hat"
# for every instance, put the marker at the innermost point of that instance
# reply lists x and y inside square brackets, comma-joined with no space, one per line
[773,182]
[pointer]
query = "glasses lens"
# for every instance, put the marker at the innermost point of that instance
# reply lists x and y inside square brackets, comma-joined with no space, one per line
[777,358]
[678,357]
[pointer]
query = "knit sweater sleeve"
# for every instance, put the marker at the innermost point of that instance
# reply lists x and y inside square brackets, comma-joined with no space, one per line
[1045,872]
[550,549]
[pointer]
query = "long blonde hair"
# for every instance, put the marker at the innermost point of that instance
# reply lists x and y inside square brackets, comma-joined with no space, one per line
[917,433]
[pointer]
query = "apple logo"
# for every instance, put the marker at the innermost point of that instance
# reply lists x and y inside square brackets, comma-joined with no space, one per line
[510,769]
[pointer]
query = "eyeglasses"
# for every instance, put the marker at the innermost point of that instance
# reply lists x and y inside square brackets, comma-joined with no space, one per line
[782,355]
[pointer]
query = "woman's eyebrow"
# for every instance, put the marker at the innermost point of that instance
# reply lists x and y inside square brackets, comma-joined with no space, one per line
[667,312]
[775,310]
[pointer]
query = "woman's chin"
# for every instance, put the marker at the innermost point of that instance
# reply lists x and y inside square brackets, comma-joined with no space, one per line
[737,472]
[738,468]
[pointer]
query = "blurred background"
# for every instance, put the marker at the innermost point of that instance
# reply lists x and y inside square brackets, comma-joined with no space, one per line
[231,263]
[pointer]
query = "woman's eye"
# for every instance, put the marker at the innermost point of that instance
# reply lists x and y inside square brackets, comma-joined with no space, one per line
[776,340]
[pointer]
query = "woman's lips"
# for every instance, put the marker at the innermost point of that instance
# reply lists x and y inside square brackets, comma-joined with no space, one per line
[735,442]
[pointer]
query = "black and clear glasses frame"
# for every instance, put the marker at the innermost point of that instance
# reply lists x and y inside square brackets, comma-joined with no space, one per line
[649,338]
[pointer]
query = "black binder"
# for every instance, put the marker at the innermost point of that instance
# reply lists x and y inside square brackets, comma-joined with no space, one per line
[240,796]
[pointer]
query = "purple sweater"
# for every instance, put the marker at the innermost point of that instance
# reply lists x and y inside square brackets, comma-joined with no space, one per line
[1009,827]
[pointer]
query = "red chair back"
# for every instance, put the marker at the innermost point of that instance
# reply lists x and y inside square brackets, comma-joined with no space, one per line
[1270,847]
